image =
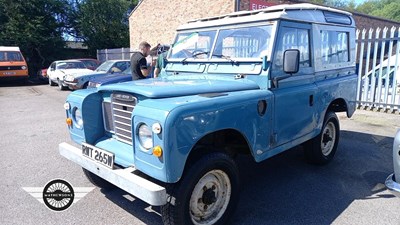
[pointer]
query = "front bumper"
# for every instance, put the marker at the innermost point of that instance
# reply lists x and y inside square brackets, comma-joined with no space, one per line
[125,179]
[393,187]
[72,86]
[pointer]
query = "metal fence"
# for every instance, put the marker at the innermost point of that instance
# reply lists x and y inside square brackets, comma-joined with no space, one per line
[113,54]
[378,60]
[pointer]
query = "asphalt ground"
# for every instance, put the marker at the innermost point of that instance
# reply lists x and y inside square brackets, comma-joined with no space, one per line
[281,190]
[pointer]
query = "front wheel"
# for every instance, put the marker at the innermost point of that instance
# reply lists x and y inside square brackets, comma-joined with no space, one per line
[322,148]
[61,86]
[206,194]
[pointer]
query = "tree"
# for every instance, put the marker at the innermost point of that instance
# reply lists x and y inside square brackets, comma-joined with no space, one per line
[333,3]
[388,9]
[36,26]
[103,23]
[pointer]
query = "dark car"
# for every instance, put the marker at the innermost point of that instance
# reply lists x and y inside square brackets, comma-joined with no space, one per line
[124,76]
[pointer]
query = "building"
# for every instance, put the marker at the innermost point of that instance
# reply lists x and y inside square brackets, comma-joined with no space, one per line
[155,21]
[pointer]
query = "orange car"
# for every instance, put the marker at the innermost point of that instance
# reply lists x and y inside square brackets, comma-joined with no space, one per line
[12,63]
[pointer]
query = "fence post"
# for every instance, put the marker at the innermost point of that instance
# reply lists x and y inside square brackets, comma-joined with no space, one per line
[394,84]
[106,52]
[380,68]
[123,53]
[387,80]
[360,67]
[366,77]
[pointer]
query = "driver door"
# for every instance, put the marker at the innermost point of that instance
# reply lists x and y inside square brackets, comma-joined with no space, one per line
[294,97]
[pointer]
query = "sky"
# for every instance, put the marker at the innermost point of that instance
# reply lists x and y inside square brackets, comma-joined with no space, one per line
[359,1]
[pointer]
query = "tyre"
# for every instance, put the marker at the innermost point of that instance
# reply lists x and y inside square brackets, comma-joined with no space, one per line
[97,181]
[51,83]
[61,86]
[206,194]
[322,148]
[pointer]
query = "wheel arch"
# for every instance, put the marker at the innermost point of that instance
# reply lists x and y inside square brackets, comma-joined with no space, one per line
[339,105]
[229,141]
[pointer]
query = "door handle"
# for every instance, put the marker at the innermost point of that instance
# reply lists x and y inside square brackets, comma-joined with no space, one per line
[311,100]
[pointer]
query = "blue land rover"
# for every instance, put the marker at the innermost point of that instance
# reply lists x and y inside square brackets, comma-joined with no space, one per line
[252,82]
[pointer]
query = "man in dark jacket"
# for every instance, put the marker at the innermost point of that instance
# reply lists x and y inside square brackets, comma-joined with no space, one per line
[139,67]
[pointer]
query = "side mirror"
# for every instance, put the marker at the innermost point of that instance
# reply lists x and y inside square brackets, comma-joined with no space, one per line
[291,61]
[264,63]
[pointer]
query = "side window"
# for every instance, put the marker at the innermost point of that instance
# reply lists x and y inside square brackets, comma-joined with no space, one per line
[334,47]
[293,38]
[121,65]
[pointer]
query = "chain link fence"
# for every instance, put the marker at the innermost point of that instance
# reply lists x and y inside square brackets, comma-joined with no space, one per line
[114,54]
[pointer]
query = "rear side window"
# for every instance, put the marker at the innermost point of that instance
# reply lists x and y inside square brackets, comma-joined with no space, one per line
[122,65]
[334,47]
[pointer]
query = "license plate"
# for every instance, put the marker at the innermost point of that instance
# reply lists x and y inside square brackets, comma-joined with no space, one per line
[10,73]
[98,155]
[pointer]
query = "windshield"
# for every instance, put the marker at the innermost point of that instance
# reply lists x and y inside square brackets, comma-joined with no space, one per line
[246,42]
[105,66]
[189,44]
[70,65]
[240,43]
[10,56]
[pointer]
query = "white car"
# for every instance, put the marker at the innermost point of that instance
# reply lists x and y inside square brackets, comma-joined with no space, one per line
[392,65]
[59,69]
[79,80]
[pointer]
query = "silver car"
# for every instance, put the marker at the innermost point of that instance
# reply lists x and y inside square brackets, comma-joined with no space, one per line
[393,181]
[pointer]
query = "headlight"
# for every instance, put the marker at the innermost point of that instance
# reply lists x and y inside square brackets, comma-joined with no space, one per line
[23,67]
[67,106]
[69,78]
[145,136]
[77,116]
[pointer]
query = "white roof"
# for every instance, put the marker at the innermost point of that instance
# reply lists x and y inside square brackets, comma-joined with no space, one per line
[7,48]
[297,12]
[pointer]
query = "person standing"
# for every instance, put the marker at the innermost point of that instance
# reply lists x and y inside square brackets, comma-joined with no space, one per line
[159,64]
[139,67]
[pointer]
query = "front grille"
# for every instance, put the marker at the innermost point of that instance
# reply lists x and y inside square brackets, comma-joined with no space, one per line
[122,105]
[107,115]
[10,67]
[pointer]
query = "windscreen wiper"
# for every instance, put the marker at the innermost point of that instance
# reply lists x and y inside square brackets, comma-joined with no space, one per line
[193,56]
[227,58]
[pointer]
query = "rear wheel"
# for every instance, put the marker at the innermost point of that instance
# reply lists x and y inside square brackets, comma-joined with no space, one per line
[206,194]
[97,181]
[322,148]
[51,83]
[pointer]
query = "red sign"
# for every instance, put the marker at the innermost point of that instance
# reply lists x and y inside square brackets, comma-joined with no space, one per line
[259,4]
